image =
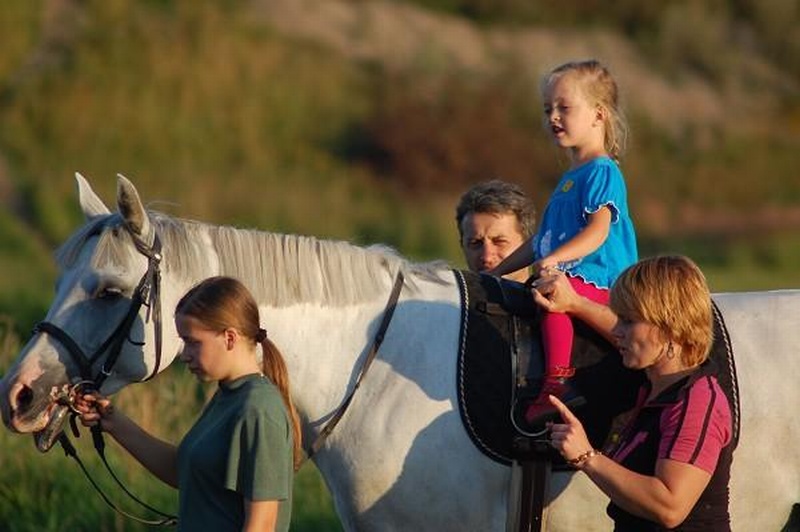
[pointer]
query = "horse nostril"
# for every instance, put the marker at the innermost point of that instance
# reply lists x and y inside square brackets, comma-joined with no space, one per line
[23,399]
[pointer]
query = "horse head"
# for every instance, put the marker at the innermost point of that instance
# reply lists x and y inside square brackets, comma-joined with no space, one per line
[103,320]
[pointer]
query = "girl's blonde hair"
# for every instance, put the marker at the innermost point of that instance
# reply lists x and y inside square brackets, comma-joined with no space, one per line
[671,293]
[221,303]
[600,89]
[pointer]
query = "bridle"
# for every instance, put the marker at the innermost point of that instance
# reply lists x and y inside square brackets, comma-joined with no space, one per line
[147,294]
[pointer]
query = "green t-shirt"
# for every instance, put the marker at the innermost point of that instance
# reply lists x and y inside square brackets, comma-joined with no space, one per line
[240,448]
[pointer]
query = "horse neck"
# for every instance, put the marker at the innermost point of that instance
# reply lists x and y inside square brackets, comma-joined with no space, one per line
[318,299]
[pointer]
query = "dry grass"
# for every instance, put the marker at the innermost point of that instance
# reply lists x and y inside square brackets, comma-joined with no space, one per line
[401,37]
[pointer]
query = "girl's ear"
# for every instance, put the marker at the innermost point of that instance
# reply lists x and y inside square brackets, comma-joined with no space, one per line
[231,336]
[601,114]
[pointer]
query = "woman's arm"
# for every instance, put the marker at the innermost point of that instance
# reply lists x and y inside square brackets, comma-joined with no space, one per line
[260,516]
[157,456]
[554,293]
[665,498]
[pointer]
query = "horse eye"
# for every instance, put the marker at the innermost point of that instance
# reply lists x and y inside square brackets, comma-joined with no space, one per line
[109,292]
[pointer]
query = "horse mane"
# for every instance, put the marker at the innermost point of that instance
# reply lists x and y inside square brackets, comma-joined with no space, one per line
[282,269]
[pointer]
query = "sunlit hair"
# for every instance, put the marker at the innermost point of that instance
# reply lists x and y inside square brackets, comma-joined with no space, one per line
[498,197]
[671,293]
[221,303]
[599,88]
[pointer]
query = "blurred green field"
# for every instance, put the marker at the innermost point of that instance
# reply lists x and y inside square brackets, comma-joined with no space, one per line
[48,492]
[243,113]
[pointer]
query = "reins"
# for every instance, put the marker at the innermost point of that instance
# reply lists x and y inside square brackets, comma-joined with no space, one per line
[99,445]
[146,294]
[391,305]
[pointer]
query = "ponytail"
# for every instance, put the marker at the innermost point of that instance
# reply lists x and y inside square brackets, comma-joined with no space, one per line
[222,302]
[274,367]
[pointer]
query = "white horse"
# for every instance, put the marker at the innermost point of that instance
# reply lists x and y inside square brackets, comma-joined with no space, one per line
[400,459]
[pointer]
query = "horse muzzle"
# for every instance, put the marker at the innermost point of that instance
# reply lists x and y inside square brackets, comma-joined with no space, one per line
[40,413]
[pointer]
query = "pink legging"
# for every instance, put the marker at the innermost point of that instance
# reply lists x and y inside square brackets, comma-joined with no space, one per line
[557,329]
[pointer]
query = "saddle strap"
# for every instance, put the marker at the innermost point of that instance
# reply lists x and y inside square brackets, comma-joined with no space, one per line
[535,477]
[530,480]
[316,445]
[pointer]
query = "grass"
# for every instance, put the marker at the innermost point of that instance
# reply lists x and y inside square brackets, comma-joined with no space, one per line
[734,264]
[41,492]
[217,116]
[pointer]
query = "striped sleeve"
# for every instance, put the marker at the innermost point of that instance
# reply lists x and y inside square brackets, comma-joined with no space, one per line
[695,430]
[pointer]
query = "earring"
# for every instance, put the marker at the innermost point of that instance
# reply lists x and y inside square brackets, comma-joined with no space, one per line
[670,352]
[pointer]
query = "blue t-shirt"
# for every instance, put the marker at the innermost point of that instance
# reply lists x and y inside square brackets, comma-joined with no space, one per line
[582,191]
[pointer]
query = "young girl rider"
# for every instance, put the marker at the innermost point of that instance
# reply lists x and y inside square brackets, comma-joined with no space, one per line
[586,230]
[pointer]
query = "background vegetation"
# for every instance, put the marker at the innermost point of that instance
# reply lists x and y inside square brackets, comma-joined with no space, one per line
[364,120]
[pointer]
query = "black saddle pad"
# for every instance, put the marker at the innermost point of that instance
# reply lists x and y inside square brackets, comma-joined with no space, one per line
[490,332]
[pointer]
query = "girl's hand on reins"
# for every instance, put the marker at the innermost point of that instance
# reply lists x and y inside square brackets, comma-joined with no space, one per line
[93,409]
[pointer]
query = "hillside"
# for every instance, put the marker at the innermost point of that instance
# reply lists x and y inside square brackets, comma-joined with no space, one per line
[400,37]
[686,107]
[363,120]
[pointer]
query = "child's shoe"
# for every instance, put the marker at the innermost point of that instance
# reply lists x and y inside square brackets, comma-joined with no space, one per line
[540,411]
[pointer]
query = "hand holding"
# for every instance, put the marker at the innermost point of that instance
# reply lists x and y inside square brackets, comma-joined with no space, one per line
[94,409]
[553,291]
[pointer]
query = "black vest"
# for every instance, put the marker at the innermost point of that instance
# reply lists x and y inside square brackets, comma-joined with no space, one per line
[710,513]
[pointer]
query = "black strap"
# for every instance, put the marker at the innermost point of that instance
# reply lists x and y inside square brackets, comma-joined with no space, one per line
[541,476]
[69,450]
[376,344]
[536,468]
[72,347]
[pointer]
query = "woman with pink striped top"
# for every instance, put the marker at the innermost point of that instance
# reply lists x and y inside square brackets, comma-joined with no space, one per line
[671,466]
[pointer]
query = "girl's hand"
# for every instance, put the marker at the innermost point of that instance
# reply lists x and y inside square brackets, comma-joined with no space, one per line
[569,437]
[544,266]
[94,408]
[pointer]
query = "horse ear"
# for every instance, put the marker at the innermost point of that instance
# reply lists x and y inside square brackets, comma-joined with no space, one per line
[91,204]
[130,207]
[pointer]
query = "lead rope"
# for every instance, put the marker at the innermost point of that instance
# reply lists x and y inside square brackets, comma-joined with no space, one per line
[99,444]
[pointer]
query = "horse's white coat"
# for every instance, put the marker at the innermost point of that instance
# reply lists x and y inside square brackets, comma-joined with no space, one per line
[400,459]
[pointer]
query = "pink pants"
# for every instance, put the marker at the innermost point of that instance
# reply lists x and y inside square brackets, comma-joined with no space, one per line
[557,329]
